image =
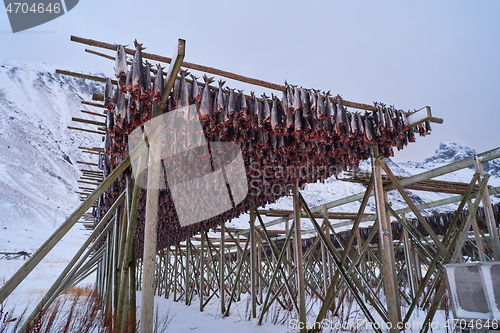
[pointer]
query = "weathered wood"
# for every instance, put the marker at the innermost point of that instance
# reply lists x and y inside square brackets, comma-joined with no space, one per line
[94,113]
[489,215]
[88,121]
[385,244]
[253,264]
[152,195]
[98,105]
[87,130]
[88,163]
[221,270]
[298,258]
[84,76]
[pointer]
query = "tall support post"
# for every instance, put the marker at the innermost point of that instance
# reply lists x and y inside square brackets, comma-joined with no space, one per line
[132,288]
[150,236]
[221,268]
[477,235]
[298,258]
[202,271]
[253,263]
[323,254]
[386,244]
[151,220]
[187,270]
[488,212]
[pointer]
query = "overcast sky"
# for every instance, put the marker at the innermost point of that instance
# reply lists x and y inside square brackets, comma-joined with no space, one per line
[445,54]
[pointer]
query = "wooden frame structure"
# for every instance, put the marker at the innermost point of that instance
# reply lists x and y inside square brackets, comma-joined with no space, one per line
[279,268]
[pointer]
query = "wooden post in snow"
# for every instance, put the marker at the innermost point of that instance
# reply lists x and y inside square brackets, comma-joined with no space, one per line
[386,245]
[151,221]
[298,258]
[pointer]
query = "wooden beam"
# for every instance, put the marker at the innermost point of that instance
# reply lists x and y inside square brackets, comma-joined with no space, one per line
[98,105]
[93,113]
[84,76]
[86,130]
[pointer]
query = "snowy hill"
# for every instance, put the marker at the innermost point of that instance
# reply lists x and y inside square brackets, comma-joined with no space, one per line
[38,153]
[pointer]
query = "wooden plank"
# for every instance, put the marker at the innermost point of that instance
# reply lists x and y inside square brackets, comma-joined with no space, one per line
[98,105]
[88,121]
[86,130]
[93,113]
[84,76]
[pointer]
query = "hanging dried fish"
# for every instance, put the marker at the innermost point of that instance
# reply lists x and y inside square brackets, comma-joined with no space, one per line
[108,95]
[195,89]
[219,101]
[183,90]
[158,85]
[296,101]
[120,111]
[231,104]
[275,117]
[242,107]
[304,100]
[266,111]
[369,136]
[136,78]
[312,100]
[146,82]
[206,111]
[320,108]
[121,69]
[341,116]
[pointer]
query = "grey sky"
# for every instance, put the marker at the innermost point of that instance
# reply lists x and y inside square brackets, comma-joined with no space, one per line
[410,54]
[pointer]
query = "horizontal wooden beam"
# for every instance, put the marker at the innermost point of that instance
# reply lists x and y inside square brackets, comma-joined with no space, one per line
[94,113]
[98,105]
[88,163]
[86,130]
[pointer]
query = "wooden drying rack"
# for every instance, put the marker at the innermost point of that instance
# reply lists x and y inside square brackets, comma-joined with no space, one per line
[205,69]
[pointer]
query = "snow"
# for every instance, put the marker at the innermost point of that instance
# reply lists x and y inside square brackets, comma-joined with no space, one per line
[38,187]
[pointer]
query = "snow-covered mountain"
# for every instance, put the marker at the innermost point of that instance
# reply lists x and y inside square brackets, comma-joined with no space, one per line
[39,173]
[38,153]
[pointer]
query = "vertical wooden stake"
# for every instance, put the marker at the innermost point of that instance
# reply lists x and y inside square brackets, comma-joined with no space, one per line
[488,212]
[298,258]
[253,263]
[202,271]
[221,268]
[386,245]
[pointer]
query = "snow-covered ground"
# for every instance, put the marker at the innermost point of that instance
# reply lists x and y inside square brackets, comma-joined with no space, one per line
[38,184]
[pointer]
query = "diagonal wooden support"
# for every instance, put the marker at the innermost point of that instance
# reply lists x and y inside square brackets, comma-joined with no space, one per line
[413,207]
[336,259]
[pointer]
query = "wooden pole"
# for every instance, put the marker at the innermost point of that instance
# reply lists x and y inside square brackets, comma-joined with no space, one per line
[385,243]
[298,259]
[151,220]
[488,212]
[187,271]
[221,269]
[253,263]
[201,288]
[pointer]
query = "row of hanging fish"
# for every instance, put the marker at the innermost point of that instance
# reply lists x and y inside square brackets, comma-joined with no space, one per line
[303,129]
